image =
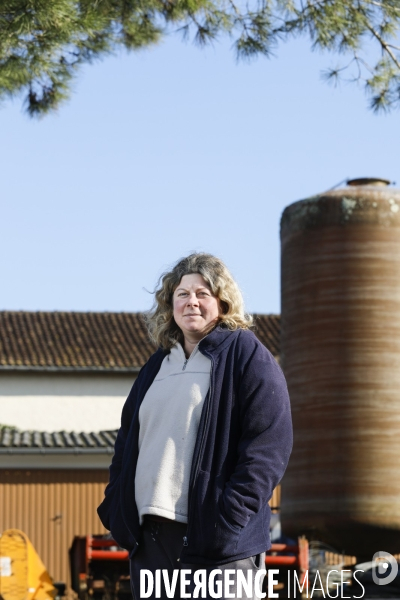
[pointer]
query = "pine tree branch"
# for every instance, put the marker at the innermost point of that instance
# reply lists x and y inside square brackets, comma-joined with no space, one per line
[380,5]
[384,45]
[42,44]
[235,8]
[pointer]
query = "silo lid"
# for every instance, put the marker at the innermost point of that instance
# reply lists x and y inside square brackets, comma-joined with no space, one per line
[378,181]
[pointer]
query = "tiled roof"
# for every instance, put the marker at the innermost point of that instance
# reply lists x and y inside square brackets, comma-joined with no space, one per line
[61,441]
[74,340]
[85,340]
[268,330]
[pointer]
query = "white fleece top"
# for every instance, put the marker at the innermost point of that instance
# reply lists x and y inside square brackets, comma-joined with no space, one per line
[169,418]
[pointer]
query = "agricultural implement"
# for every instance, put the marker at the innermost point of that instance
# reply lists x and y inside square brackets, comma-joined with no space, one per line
[23,576]
[99,568]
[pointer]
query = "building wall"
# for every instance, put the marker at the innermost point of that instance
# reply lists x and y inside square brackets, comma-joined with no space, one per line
[63,401]
[51,507]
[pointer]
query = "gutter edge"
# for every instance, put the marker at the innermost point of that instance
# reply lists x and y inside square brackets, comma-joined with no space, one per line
[46,451]
[33,369]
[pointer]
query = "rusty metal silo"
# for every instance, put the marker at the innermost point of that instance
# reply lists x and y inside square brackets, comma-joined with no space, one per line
[341,357]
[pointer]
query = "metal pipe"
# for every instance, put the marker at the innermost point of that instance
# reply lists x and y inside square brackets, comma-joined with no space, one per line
[109,555]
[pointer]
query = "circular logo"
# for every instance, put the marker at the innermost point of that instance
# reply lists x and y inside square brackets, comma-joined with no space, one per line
[384,568]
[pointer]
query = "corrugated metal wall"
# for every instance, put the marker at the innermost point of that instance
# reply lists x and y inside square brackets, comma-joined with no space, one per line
[275,502]
[51,507]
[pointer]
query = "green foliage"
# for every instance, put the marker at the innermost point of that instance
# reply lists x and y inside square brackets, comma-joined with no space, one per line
[44,42]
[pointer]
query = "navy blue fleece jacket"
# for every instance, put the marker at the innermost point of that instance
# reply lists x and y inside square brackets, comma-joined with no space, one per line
[241,453]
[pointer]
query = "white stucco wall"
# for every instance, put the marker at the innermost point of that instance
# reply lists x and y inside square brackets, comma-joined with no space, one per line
[58,401]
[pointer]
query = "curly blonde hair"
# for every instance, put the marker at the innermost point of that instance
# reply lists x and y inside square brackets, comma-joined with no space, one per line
[160,319]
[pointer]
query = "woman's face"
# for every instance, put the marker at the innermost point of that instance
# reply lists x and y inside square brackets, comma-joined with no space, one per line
[195,307]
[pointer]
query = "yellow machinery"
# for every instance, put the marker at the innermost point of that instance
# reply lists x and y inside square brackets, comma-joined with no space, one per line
[23,576]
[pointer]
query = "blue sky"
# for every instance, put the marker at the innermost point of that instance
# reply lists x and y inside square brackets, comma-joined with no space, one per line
[171,150]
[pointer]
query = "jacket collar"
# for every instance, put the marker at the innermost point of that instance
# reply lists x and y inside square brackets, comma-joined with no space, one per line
[216,341]
[213,343]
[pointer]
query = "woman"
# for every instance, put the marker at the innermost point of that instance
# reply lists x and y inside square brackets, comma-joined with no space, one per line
[205,438]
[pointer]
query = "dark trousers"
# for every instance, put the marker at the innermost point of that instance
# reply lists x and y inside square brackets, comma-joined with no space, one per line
[156,566]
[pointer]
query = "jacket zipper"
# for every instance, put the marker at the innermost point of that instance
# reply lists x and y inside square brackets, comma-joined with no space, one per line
[199,454]
[187,360]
